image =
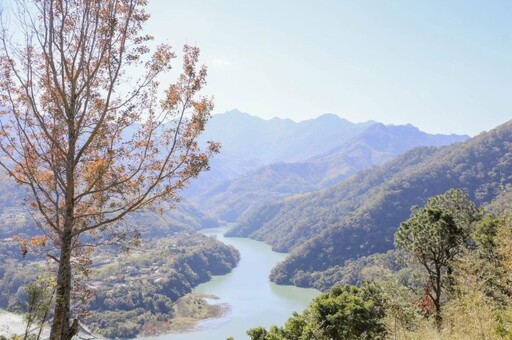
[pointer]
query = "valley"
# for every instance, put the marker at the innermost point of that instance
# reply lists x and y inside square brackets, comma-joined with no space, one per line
[330,214]
[248,294]
[261,170]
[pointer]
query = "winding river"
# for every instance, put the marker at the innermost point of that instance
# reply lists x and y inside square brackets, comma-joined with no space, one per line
[253,299]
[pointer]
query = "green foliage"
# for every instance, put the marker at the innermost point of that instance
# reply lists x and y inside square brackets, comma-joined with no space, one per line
[348,313]
[477,251]
[257,333]
[485,234]
[359,216]
[431,235]
[434,235]
[131,290]
[341,313]
[39,299]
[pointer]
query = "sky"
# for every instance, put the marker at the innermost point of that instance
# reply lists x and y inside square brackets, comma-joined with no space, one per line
[443,66]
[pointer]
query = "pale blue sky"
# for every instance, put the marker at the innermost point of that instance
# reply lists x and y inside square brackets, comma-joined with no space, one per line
[444,66]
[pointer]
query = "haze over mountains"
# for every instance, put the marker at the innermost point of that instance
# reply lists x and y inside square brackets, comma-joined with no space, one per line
[278,157]
[264,161]
[348,200]
[326,190]
[359,216]
[329,192]
[249,142]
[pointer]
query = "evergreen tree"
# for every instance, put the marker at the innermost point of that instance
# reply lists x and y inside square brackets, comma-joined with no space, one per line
[434,235]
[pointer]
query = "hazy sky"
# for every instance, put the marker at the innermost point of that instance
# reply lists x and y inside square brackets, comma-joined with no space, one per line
[444,66]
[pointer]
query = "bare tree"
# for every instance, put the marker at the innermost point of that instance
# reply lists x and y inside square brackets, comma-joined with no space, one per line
[88,139]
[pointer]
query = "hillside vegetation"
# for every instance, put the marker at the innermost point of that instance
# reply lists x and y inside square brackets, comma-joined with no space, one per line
[359,216]
[372,146]
[130,294]
[450,280]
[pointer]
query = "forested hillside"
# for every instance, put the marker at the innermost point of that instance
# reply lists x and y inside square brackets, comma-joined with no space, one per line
[15,218]
[130,293]
[359,216]
[293,220]
[373,146]
[448,278]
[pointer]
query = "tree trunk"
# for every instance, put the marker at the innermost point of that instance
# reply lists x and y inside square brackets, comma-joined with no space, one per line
[437,299]
[60,328]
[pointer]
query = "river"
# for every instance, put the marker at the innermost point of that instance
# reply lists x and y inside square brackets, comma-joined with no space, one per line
[253,299]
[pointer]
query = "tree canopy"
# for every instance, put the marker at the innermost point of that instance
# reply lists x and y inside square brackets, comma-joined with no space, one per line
[435,234]
[342,313]
[87,127]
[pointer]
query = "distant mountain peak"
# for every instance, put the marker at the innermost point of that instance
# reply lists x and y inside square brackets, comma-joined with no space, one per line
[234,113]
[324,118]
[393,127]
[240,115]
[331,116]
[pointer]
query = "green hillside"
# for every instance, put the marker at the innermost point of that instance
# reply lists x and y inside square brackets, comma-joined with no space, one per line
[373,146]
[359,216]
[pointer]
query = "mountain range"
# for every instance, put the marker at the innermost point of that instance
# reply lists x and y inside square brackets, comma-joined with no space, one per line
[249,142]
[358,217]
[342,148]
[325,190]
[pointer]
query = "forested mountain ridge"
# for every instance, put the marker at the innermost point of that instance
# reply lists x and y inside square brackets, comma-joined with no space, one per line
[376,145]
[359,216]
[373,146]
[288,223]
[391,263]
[449,278]
[15,218]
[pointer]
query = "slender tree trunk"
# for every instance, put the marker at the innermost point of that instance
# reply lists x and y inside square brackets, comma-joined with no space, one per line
[437,300]
[60,328]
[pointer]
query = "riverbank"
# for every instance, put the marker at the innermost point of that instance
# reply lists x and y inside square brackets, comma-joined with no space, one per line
[253,300]
[246,297]
[189,312]
[131,291]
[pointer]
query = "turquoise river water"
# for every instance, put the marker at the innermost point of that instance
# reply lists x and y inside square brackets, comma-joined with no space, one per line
[253,300]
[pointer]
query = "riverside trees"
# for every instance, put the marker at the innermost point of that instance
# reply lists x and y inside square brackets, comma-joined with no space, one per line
[340,313]
[90,141]
[448,240]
